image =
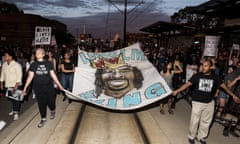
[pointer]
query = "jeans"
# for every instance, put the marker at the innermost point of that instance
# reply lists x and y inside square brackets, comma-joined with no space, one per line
[16,106]
[67,81]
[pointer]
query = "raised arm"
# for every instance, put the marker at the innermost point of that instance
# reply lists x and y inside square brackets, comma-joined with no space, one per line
[179,69]
[232,83]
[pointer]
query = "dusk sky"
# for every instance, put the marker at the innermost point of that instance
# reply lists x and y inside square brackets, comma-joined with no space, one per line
[101,18]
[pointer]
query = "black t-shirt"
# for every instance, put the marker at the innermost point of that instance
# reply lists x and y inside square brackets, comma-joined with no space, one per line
[205,86]
[41,73]
[68,66]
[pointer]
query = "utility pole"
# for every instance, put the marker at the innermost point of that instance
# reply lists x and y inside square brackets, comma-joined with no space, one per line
[125,24]
[125,18]
[84,29]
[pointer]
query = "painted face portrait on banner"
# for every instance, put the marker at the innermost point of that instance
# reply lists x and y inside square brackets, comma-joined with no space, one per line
[115,78]
[122,79]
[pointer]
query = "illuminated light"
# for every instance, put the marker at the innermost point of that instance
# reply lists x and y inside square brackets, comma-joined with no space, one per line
[196,42]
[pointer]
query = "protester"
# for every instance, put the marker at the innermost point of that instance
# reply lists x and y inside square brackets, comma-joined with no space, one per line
[232,109]
[11,75]
[68,69]
[234,57]
[43,75]
[167,73]
[222,94]
[231,115]
[205,85]
[177,78]
[50,57]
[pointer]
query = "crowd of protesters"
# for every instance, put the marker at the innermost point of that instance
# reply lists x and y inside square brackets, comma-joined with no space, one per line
[177,66]
[40,72]
[222,106]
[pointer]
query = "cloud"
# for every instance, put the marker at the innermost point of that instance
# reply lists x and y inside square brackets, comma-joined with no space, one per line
[102,18]
[76,8]
[99,27]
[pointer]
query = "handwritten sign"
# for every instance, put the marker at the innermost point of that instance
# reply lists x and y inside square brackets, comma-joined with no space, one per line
[43,35]
[211,45]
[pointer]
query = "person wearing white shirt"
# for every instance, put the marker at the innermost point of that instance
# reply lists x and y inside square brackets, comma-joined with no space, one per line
[11,75]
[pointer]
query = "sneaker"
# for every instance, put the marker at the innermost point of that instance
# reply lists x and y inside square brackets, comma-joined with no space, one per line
[15,117]
[191,141]
[52,114]
[203,141]
[42,123]
[162,112]
[170,111]
[11,113]
[2,124]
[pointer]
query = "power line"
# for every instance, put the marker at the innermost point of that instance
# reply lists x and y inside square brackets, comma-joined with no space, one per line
[141,12]
[116,6]
[125,16]
[136,7]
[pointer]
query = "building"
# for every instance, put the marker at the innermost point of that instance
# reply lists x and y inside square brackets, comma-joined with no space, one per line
[171,35]
[227,11]
[18,29]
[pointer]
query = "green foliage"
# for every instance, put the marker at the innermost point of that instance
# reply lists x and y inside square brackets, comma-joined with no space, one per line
[201,22]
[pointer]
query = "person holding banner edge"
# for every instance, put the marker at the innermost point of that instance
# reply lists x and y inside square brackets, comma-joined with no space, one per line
[43,75]
[67,69]
[204,85]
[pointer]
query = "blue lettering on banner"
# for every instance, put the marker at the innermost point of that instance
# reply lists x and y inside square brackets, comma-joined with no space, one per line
[130,100]
[154,91]
[83,58]
[112,102]
[100,102]
[137,55]
[91,56]
[125,58]
[88,95]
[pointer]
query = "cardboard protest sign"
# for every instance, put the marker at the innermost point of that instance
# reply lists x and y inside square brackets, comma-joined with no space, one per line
[43,35]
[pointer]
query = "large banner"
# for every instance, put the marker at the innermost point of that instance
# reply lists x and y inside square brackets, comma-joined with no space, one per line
[42,35]
[120,80]
[211,45]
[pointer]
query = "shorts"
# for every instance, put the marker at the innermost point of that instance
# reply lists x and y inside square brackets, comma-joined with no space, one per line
[223,95]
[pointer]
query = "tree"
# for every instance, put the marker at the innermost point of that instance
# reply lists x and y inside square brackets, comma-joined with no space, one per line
[201,22]
[9,8]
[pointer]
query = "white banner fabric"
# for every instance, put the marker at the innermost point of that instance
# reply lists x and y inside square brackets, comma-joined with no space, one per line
[119,80]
